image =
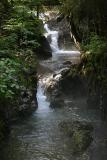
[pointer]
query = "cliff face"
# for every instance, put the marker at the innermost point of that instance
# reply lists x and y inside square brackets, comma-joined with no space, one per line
[86,17]
[67,34]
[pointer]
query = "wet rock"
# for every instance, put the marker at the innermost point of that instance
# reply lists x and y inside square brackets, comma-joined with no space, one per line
[53,91]
[72,83]
[49,39]
[50,85]
[67,63]
[93,101]
[61,24]
[61,83]
[44,51]
[56,100]
[55,87]
[64,39]
[28,102]
[64,72]
[53,25]
[60,17]
[80,134]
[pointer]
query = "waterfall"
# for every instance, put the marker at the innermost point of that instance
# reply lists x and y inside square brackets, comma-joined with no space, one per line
[58,57]
[54,44]
[43,104]
[54,38]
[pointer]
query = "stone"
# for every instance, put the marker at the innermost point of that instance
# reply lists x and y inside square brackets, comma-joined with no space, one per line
[80,134]
[60,17]
[61,24]
[44,50]
[67,63]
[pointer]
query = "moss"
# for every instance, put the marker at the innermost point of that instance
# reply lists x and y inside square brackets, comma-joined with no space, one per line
[81,140]
[79,134]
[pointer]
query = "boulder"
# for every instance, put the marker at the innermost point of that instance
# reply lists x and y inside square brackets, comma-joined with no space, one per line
[72,83]
[53,91]
[60,17]
[67,63]
[44,50]
[80,134]
[28,102]
[56,99]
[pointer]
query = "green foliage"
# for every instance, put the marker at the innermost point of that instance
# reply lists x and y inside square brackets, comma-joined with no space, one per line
[23,30]
[85,17]
[20,31]
[9,80]
[25,25]
[20,38]
[13,76]
[97,44]
[97,53]
[94,62]
[6,42]
[4,11]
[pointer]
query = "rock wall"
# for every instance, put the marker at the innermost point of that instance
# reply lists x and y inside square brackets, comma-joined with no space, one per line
[61,24]
[44,50]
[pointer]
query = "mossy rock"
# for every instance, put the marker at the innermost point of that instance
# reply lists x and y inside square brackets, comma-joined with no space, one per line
[81,140]
[79,134]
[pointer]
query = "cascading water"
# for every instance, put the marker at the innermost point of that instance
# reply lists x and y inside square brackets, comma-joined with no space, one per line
[43,104]
[54,44]
[38,137]
[54,39]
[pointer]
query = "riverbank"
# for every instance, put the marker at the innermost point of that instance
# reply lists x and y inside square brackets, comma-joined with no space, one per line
[21,45]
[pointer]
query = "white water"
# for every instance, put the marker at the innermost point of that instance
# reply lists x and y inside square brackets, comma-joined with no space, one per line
[54,44]
[43,104]
[54,38]
[58,55]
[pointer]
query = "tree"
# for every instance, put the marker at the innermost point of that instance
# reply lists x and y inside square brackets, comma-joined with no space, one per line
[86,16]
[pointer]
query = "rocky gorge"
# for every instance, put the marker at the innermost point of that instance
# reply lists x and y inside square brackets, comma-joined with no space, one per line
[63,127]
